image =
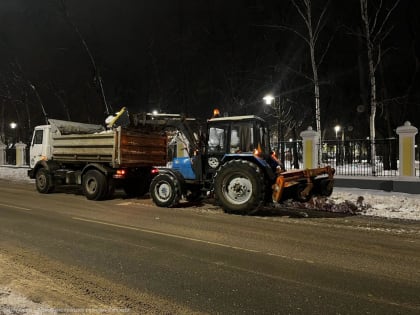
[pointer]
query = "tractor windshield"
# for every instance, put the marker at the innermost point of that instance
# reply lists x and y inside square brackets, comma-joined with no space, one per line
[240,136]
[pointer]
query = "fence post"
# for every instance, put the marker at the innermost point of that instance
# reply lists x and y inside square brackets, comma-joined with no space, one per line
[310,146]
[20,154]
[407,134]
[2,153]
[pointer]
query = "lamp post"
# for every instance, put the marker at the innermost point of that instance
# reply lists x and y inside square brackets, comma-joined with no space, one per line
[275,103]
[337,130]
[13,126]
[339,150]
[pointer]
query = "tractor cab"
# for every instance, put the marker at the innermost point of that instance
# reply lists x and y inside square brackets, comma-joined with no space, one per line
[244,137]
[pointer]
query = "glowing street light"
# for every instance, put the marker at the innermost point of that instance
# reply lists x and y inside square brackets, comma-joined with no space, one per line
[14,126]
[337,130]
[275,103]
[268,99]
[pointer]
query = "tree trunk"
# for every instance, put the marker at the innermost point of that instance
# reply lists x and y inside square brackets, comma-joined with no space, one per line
[372,80]
[317,104]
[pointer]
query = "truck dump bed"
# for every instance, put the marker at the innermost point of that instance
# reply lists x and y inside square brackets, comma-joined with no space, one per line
[118,147]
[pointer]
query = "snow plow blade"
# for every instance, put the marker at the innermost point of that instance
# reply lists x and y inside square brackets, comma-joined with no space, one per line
[303,184]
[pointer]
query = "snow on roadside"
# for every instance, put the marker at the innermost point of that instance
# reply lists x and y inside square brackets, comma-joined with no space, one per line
[15,173]
[349,200]
[14,303]
[377,203]
[391,205]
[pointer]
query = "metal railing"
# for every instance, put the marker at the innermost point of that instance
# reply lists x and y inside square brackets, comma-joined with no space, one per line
[349,157]
[353,157]
[11,156]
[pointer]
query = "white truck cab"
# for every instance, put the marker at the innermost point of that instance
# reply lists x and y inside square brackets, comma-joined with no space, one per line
[41,145]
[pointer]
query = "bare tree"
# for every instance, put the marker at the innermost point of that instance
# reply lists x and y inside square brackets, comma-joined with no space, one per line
[20,76]
[375,31]
[59,95]
[314,25]
[98,77]
[314,28]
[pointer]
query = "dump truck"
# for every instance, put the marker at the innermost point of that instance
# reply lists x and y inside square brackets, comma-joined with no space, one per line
[231,160]
[96,158]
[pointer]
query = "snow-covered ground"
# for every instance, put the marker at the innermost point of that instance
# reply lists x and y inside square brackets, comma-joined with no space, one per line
[350,200]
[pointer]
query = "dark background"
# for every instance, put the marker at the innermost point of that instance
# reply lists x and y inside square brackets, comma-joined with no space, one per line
[190,56]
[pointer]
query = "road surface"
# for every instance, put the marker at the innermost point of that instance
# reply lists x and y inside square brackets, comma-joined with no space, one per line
[127,255]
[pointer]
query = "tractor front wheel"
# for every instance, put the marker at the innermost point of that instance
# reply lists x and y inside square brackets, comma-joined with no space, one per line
[165,190]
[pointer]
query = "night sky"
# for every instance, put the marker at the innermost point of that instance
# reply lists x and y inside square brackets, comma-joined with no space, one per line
[190,56]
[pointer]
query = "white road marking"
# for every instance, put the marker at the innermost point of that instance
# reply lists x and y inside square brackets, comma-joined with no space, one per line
[166,234]
[15,207]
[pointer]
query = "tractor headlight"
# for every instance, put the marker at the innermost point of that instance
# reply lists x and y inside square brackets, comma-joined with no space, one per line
[213,162]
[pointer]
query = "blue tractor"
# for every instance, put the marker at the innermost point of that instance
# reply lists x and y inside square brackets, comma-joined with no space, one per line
[232,161]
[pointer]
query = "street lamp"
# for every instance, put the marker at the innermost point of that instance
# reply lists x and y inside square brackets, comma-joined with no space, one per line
[268,99]
[13,126]
[274,102]
[339,150]
[337,130]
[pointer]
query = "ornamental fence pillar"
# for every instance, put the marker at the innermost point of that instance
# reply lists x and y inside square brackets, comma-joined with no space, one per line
[407,142]
[310,139]
[20,154]
[2,153]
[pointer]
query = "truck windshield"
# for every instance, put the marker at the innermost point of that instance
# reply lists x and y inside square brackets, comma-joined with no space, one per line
[38,137]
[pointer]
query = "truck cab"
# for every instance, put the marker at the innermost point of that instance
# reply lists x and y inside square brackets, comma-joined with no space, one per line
[40,145]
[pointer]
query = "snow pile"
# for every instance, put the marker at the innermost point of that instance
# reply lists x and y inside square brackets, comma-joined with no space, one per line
[15,173]
[366,202]
[380,203]
[343,200]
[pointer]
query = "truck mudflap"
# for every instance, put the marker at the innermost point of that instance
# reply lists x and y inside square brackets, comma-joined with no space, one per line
[305,182]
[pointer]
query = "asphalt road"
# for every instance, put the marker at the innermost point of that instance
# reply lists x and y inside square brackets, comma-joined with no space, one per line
[197,259]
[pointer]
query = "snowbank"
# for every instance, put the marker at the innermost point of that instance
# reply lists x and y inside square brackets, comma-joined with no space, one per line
[15,173]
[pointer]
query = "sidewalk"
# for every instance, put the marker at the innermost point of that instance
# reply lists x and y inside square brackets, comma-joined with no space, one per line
[384,183]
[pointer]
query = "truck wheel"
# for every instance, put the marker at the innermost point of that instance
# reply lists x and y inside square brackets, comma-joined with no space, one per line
[94,185]
[239,186]
[43,181]
[298,193]
[165,190]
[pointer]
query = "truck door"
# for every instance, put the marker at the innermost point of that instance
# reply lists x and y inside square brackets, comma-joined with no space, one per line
[37,149]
